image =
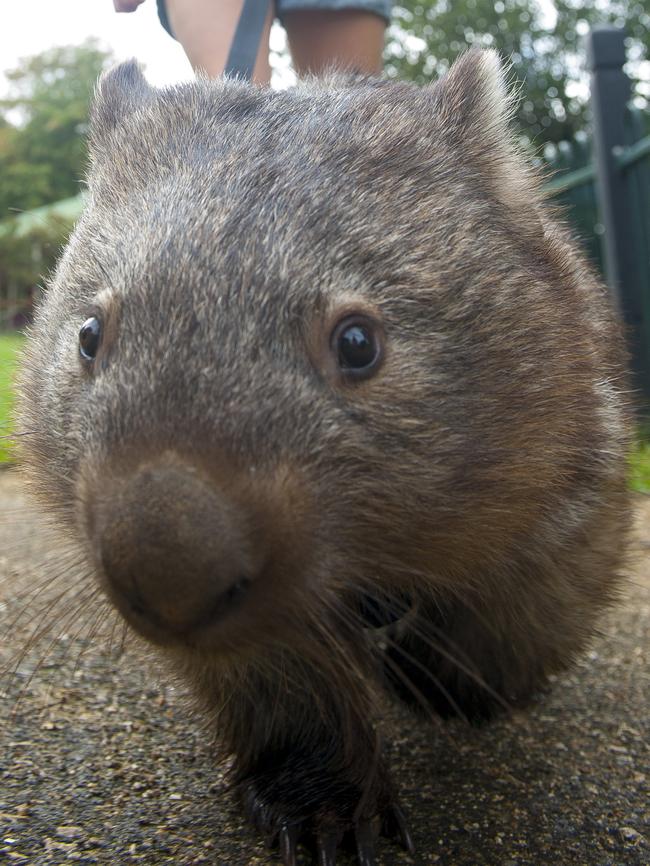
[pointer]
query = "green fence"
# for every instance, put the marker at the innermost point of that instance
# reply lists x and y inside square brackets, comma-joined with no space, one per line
[604,188]
[634,163]
[574,188]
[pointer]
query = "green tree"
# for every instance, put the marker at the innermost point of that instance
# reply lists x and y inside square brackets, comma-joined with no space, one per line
[544,42]
[43,122]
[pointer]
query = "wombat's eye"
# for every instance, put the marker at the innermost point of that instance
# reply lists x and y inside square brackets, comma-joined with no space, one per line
[357,344]
[89,337]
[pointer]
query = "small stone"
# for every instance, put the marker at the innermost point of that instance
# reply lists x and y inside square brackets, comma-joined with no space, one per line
[629,834]
[68,832]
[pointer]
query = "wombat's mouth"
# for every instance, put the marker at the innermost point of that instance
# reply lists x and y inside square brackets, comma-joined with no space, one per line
[143,617]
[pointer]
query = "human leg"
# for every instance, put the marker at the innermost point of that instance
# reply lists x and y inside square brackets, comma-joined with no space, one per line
[205,29]
[348,39]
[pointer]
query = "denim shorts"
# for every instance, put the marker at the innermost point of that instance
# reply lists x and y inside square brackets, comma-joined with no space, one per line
[379,7]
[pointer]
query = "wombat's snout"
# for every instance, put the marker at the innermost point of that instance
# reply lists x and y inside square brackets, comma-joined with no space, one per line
[175,552]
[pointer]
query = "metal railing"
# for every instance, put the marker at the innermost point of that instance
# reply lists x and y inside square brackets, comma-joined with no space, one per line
[607,194]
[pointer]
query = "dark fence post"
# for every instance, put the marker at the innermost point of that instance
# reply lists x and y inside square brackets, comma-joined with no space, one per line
[610,93]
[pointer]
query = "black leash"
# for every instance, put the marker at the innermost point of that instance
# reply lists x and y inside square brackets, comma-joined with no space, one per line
[247,38]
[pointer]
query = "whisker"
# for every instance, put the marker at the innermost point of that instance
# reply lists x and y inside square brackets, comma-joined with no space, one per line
[117,623]
[432,636]
[10,436]
[93,627]
[51,580]
[421,667]
[70,615]
[411,659]
[125,634]
[425,705]
[463,667]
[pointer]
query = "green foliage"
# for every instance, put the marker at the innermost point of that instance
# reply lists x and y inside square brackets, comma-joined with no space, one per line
[43,122]
[544,44]
[640,468]
[10,346]
[25,259]
[640,457]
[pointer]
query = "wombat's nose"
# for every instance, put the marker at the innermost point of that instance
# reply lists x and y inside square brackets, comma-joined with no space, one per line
[173,549]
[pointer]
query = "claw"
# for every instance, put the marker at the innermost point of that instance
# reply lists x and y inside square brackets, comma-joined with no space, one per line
[365,836]
[396,825]
[327,845]
[288,843]
[259,816]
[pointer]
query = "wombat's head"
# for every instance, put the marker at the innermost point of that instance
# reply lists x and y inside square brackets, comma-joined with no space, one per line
[285,354]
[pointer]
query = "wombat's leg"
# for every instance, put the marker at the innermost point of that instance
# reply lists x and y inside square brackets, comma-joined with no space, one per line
[451,660]
[308,766]
[292,795]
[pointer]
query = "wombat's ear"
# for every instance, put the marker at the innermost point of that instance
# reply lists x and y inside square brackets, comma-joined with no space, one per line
[474,107]
[120,92]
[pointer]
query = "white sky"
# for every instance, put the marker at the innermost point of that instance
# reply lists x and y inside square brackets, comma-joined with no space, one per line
[30,26]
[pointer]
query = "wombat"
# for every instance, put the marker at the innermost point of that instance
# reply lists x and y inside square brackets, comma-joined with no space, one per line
[331,405]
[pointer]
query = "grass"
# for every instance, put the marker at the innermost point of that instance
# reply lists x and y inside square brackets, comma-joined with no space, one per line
[10,345]
[640,462]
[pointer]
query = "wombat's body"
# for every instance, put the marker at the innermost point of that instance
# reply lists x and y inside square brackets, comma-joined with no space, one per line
[339,371]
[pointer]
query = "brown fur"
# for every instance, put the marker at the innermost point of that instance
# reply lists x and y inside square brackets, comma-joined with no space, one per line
[473,489]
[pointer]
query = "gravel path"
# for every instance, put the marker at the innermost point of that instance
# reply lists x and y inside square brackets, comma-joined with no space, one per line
[101,763]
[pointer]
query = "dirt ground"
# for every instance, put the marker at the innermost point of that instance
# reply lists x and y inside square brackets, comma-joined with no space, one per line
[103,763]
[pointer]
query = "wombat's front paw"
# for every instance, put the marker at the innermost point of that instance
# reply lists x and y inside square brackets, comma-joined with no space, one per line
[324,813]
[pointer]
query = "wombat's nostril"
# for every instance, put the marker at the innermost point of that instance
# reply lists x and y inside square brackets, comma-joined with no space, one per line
[237,590]
[137,606]
[228,600]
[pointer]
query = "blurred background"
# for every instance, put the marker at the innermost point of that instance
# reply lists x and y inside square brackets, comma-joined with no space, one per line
[52,52]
